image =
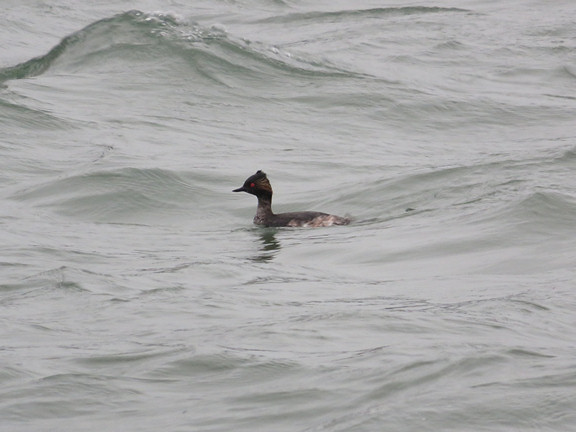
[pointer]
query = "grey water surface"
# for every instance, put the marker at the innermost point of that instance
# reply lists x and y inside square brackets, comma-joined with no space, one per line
[135,293]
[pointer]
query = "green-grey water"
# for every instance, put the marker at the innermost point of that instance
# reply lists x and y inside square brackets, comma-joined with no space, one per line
[136,294]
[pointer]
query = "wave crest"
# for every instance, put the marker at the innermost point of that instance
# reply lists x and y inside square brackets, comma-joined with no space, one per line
[137,36]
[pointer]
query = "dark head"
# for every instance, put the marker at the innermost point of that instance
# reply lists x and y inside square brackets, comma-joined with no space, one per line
[257,184]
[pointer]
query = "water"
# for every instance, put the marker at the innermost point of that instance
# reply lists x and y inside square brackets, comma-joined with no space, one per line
[137,295]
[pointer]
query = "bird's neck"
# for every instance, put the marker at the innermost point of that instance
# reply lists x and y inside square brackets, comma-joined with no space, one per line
[264,209]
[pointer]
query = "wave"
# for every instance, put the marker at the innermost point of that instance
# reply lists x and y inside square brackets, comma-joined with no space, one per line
[136,36]
[343,15]
[64,280]
[32,118]
[568,157]
[126,195]
[544,212]
[501,193]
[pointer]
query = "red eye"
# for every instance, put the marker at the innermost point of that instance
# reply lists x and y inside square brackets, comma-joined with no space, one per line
[252,185]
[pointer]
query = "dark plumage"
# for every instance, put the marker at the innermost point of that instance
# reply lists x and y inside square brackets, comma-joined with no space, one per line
[259,186]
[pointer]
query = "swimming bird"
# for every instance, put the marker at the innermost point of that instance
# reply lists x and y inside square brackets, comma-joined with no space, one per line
[259,185]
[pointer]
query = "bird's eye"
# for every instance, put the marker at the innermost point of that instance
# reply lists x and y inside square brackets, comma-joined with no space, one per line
[252,185]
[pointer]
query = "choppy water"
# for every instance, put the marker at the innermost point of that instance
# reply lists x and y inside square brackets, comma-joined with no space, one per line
[137,295]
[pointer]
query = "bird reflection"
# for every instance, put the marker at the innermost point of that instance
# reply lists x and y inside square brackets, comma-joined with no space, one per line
[270,245]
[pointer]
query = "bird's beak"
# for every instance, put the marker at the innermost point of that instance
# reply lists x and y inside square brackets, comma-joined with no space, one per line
[240,189]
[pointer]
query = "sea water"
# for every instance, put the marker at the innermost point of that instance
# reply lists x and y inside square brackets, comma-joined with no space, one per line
[135,293]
